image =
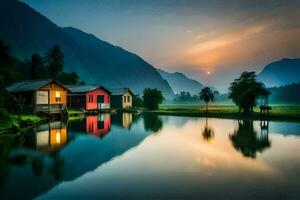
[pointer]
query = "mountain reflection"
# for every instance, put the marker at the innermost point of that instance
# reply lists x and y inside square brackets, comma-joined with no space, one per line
[246,140]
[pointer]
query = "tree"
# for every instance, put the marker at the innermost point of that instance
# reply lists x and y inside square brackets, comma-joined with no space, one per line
[137,101]
[206,95]
[54,59]
[36,66]
[69,78]
[152,98]
[244,91]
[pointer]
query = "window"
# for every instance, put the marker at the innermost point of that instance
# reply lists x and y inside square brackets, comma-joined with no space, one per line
[128,98]
[91,99]
[124,99]
[57,96]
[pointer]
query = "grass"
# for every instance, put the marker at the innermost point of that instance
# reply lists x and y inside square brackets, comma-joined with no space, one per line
[280,112]
[15,121]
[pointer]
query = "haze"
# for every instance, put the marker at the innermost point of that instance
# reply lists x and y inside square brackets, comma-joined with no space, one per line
[211,41]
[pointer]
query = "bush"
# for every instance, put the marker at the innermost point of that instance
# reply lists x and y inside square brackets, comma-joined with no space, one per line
[152,98]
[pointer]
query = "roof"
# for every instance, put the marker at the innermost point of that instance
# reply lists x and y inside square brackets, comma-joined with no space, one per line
[120,91]
[83,88]
[31,85]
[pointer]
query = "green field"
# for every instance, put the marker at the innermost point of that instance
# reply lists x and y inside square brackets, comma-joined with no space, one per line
[279,111]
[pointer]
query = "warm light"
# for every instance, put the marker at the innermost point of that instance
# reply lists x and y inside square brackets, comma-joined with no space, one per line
[57,137]
[208,73]
[57,94]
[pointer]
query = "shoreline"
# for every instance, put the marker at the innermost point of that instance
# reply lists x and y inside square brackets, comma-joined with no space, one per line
[223,115]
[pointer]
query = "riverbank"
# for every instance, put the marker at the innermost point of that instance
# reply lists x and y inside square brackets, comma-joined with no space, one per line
[278,112]
[15,123]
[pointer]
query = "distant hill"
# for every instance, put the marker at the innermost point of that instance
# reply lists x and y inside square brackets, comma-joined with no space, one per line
[179,82]
[96,61]
[285,94]
[279,73]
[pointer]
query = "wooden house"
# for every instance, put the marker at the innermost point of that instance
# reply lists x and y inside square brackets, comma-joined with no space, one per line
[121,98]
[44,95]
[88,97]
[98,125]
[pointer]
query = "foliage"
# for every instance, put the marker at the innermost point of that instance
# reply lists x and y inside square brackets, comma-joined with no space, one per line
[185,97]
[206,95]
[54,59]
[137,101]
[244,91]
[152,98]
[37,68]
[69,78]
[285,94]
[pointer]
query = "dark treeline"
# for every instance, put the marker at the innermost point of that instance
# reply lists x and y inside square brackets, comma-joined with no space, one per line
[46,66]
[285,94]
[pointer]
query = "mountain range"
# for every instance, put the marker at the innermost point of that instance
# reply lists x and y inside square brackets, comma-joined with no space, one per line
[279,73]
[97,62]
[180,82]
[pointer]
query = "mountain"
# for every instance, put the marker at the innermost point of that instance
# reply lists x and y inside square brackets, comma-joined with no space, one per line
[179,82]
[279,73]
[96,61]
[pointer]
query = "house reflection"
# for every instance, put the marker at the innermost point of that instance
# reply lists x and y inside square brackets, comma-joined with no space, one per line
[124,119]
[98,125]
[48,138]
[249,141]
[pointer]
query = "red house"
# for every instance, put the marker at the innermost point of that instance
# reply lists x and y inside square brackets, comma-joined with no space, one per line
[88,97]
[98,125]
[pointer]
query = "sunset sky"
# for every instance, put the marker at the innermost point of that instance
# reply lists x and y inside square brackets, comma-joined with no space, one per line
[211,41]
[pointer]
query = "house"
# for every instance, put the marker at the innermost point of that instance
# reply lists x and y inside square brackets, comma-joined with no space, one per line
[88,97]
[121,98]
[43,95]
[98,125]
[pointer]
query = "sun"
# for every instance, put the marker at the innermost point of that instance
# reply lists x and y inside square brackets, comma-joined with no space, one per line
[208,72]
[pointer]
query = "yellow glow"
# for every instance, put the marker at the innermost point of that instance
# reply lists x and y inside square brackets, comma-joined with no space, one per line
[57,137]
[208,73]
[57,94]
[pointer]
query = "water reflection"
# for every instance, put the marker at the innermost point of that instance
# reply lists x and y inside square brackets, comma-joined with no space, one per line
[48,138]
[63,160]
[208,132]
[246,140]
[152,122]
[98,125]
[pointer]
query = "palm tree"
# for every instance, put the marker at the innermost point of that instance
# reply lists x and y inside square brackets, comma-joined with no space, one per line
[54,59]
[206,95]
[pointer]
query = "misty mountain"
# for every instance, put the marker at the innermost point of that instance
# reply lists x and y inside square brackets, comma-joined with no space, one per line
[179,82]
[279,73]
[96,61]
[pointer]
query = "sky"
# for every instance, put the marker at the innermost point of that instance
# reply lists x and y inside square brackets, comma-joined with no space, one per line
[210,41]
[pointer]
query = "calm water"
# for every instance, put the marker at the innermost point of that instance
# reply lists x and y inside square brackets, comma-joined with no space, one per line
[153,157]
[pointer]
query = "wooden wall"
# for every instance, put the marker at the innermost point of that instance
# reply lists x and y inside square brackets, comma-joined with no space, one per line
[54,90]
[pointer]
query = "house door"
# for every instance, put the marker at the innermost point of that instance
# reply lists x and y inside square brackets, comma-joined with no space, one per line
[42,97]
[100,101]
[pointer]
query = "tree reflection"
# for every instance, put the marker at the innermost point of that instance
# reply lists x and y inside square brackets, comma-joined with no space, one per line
[247,140]
[208,132]
[152,122]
